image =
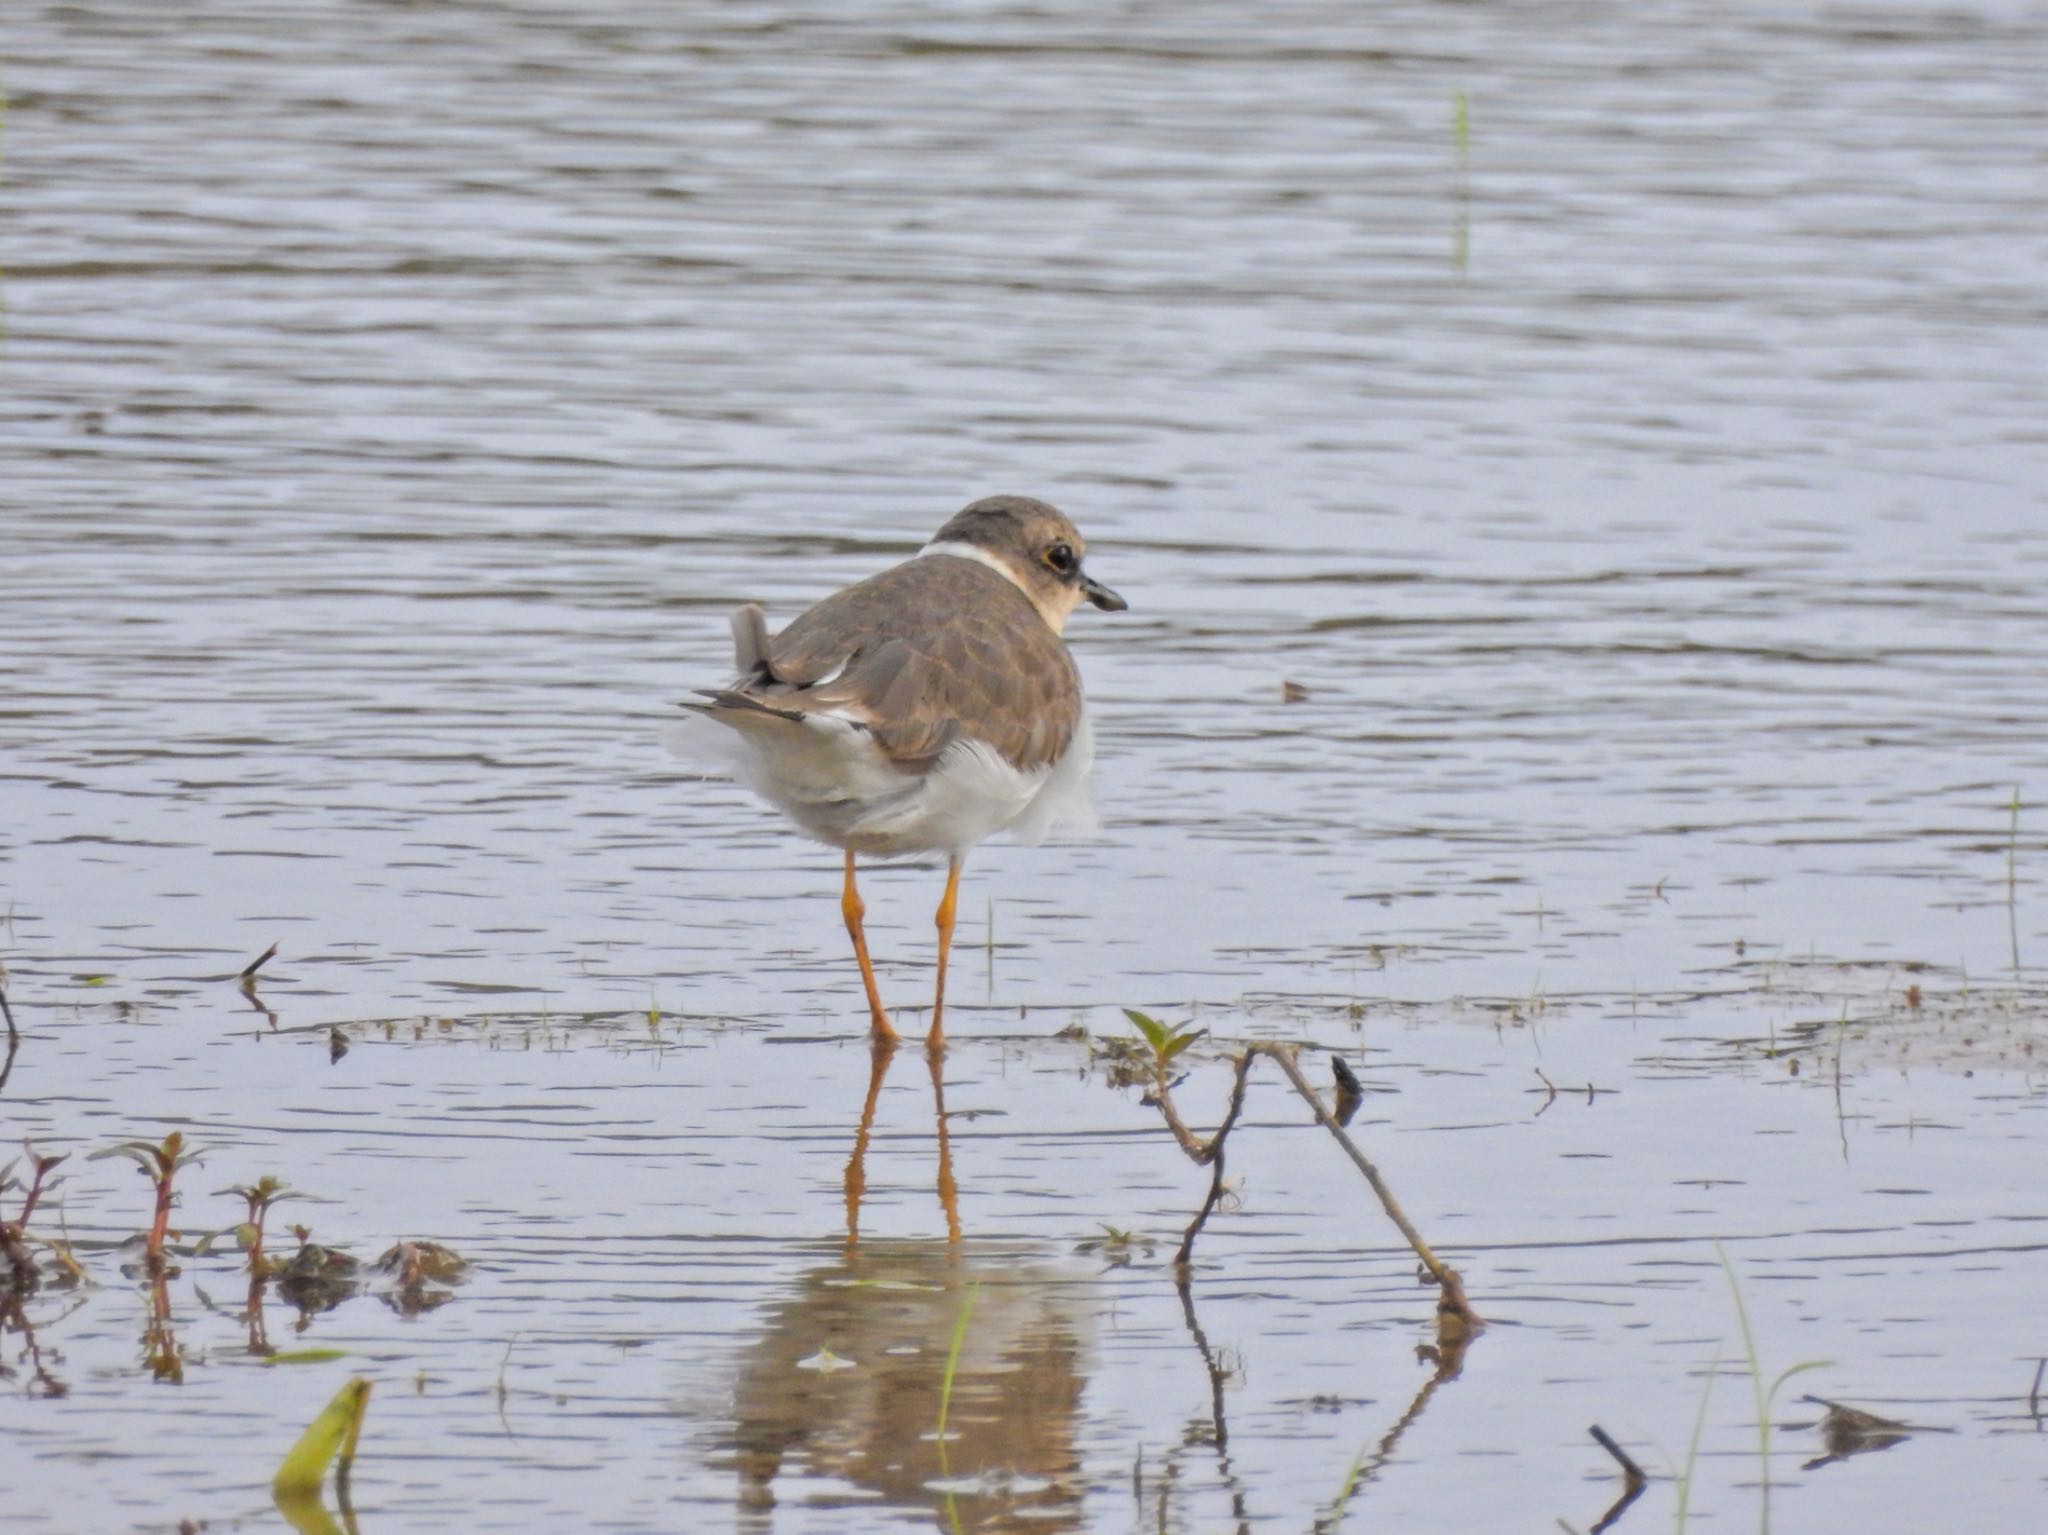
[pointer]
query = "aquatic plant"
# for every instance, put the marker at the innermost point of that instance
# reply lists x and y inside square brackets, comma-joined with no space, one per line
[259,1196]
[1692,1448]
[40,1182]
[13,1033]
[17,1266]
[1166,1042]
[946,1399]
[1117,1246]
[2012,877]
[1765,1396]
[1342,1501]
[330,1439]
[1456,1320]
[159,1163]
[953,1361]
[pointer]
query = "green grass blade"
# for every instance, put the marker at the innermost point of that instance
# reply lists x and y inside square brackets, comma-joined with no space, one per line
[953,1362]
[1692,1449]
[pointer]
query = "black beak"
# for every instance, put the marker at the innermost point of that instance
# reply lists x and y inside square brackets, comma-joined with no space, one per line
[1101,595]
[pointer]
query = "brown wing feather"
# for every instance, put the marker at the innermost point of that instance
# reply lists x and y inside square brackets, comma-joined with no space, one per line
[921,679]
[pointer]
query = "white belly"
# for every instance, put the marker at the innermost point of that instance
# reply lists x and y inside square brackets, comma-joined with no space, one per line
[827,775]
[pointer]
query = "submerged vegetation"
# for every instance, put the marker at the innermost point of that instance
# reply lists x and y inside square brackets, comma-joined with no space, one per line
[1456,1318]
[160,1163]
[417,1275]
[956,1344]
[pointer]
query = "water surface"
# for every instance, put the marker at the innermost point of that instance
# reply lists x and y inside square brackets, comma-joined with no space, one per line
[1644,485]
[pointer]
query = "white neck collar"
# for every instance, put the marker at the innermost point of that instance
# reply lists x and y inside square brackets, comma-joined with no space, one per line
[973,552]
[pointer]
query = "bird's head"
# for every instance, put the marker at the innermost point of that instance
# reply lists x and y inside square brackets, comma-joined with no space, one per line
[1033,544]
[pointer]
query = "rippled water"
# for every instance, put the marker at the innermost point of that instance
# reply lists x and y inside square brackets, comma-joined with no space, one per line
[1643,482]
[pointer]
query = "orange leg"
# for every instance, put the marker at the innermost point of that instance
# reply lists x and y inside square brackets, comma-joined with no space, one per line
[936,1039]
[851,908]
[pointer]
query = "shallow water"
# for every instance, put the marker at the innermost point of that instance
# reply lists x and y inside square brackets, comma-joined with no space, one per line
[1647,495]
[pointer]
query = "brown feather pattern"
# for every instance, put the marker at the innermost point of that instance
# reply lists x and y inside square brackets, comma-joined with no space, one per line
[900,662]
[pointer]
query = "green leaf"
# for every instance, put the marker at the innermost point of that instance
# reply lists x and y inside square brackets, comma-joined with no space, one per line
[141,1153]
[306,1356]
[1180,1042]
[333,1433]
[1155,1032]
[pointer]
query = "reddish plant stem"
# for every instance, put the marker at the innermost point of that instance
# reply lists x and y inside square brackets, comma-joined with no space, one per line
[154,1247]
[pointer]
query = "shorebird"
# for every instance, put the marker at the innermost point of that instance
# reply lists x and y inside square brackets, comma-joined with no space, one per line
[919,711]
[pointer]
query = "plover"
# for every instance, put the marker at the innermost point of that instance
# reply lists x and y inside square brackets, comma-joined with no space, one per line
[921,710]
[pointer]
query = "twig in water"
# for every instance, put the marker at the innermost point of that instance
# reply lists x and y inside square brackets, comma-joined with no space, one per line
[249,970]
[1212,1153]
[1367,1464]
[13,1034]
[1452,1306]
[1632,1479]
[502,1391]
[1455,1316]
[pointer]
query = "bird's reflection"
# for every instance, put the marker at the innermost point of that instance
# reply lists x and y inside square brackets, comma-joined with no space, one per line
[856,1164]
[843,1390]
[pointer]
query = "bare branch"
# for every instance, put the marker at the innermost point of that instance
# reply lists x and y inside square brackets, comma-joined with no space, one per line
[1213,1154]
[1452,1302]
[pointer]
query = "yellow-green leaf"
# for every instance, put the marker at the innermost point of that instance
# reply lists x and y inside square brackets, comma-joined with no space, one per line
[1154,1031]
[333,1433]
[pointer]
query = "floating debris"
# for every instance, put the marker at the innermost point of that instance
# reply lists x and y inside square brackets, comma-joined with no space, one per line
[413,1263]
[825,1362]
[1117,1246]
[420,1272]
[1847,1431]
[317,1278]
[1350,1091]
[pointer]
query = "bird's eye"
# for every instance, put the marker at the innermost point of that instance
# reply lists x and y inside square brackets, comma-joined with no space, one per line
[1060,557]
